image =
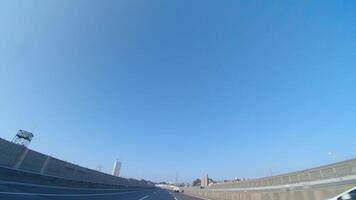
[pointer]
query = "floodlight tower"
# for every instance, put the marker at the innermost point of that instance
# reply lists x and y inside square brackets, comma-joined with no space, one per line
[23,138]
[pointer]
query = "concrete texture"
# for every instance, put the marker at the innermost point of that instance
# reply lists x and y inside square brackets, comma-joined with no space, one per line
[303,194]
[14,156]
[335,170]
[319,183]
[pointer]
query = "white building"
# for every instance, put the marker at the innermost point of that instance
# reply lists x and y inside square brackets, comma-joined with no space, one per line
[204,181]
[116,168]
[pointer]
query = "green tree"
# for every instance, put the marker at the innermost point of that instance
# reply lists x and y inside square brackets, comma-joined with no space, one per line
[197,182]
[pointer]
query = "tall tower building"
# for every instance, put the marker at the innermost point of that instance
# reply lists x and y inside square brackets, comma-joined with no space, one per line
[116,168]
[204,181]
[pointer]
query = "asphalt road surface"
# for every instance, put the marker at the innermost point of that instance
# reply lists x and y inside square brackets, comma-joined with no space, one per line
[9,191]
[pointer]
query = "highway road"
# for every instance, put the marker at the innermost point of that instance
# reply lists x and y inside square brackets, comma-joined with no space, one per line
[15,191]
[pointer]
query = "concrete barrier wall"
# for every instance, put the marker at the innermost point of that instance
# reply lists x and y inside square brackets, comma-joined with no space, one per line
[319,183]
[33,161]
[9,153]
[322,193]
[21,158]
[12,175]
[325,172]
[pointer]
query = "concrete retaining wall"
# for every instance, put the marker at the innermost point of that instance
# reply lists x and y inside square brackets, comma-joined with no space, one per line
[319,183]
[325,172]
[9,153]
[321,193]
[20,158]
[33,162]
[12,175]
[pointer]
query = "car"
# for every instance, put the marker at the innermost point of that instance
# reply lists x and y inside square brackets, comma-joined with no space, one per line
[347,195]
[175,189]
[178,189]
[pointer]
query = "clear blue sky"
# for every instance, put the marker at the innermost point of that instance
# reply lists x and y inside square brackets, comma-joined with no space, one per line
[229,88]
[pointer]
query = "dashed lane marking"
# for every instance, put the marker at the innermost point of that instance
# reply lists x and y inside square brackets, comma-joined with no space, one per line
[144,197]
[198,197]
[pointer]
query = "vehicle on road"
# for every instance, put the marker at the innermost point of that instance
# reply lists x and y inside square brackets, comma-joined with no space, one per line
[347,195]
[177,189]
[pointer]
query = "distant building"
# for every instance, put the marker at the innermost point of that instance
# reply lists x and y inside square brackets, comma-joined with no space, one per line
[116,168]
[204,181]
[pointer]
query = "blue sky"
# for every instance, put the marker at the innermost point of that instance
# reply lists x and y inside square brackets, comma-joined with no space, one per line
[229,88]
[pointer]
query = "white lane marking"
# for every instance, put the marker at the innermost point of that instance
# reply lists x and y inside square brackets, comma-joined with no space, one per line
[198,197]
[175,198]
[66,195]
[144,197]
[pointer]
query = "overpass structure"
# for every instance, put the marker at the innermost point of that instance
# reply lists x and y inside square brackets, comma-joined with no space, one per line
[318,183]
